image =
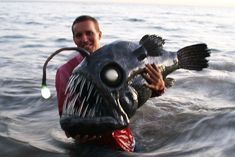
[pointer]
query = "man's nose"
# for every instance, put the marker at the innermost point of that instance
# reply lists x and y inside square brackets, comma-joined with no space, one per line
[84,38]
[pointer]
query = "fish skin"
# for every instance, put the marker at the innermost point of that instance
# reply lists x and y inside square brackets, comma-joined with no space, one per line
[115,102]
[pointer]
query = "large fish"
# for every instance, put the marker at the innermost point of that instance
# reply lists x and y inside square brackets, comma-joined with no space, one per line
[107,87]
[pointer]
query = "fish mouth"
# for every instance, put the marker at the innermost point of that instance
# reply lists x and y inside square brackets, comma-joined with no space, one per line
[87,111]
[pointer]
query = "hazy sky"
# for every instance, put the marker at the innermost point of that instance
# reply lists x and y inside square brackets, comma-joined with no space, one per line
[222,3]
[212,3]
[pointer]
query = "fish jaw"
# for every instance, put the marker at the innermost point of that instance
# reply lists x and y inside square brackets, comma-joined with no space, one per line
[89,126]
[89,109]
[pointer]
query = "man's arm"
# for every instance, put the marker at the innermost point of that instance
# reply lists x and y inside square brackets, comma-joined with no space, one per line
[60,84]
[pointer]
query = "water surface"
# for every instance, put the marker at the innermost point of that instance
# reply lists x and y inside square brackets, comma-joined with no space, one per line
[194,118]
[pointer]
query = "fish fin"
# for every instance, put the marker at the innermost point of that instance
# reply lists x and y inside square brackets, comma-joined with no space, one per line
[193,57]
[153,44]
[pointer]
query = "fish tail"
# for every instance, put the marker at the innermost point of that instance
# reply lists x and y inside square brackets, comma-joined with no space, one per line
[193,57]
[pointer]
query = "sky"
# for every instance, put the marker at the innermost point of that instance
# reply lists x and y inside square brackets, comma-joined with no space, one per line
[210,3]
[221,3]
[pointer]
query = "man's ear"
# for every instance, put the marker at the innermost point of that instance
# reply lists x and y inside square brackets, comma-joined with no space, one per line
[100,35]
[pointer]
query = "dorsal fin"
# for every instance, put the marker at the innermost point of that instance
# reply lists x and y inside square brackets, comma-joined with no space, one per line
[153,44]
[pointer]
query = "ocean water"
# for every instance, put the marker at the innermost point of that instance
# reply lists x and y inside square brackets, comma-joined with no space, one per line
[194,118]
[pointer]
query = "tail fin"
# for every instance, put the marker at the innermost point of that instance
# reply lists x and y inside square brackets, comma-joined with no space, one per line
[193,57]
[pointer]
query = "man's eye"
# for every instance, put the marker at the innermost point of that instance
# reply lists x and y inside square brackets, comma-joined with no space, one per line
[78,35]
[89,33]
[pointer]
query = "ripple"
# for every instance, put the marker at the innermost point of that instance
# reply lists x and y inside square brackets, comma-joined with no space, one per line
[14,37]
[224,66]
[3,127]
[33,23]
[33,46]
[135,20]
[159,28]
[63,40]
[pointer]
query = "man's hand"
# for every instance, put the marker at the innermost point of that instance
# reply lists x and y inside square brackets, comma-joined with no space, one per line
[153,76]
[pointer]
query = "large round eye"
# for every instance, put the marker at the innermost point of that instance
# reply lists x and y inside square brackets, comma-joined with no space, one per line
[112,75]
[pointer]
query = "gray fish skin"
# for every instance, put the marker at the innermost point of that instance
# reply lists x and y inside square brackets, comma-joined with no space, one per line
[100,102]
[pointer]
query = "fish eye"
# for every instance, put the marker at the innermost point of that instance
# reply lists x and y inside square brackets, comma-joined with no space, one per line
[112,75]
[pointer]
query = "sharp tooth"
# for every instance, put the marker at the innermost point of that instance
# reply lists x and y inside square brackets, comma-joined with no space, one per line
[122,120]
[70,85]
[97,99]
[70,107]
[85,110]
[90,90]
[99,111]
[88,85]
[65,105]
[121,117]
[78,80]
[73,103]
[123,112]
[82,85]
[71,90]
[89,113]
[113,96]
[75,77]
[95,92]
[101,100]
[75,85]
[70,82]
[96,109]
[81,106]
[93,112]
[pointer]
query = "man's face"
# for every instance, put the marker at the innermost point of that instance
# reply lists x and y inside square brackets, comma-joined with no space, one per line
[86,36]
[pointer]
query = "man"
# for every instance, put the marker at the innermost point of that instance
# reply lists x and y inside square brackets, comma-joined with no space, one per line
[87,35]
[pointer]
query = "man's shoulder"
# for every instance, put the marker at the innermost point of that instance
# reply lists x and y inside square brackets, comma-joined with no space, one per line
[71,64]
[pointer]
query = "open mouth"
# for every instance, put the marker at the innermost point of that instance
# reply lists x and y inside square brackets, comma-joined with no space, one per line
[85,110]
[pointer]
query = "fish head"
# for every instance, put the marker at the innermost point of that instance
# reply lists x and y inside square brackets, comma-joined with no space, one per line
[100,96]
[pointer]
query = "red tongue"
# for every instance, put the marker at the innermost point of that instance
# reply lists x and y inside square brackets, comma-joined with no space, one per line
[124,139]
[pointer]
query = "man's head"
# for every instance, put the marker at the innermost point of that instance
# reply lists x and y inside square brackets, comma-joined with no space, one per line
[86,33]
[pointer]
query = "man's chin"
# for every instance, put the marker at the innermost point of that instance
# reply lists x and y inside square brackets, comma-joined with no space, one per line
[89,48]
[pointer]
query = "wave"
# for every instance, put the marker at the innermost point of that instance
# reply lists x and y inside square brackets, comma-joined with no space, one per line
[33,23]
[32,46]
[135,20]
[15,37]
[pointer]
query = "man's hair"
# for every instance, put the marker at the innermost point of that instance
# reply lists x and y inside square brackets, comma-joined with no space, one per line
[83,18]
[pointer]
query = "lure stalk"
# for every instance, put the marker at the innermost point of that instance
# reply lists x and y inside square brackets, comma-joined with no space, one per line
[45,91]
